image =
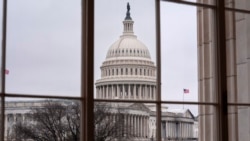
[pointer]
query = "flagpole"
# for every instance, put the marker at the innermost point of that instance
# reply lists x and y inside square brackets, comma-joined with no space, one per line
[183,100]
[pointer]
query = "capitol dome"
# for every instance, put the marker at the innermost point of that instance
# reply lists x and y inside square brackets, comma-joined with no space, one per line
[130,47]
[128,71]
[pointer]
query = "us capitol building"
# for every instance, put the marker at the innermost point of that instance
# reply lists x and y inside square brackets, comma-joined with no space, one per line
[128,73]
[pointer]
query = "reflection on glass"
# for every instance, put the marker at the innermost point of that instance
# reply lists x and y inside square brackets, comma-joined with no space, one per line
[43,47]
[238,123]
[124,121]
[237,37]
[48,119]
[128,70]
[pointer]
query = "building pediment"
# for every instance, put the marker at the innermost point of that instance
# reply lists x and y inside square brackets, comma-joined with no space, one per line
[139,106]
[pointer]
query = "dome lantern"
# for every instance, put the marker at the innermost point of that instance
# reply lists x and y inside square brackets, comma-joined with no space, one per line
[128,23]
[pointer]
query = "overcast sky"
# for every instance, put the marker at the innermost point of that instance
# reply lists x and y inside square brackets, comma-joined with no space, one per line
[43,44]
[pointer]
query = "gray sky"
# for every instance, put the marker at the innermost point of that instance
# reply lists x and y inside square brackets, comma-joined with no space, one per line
[43,44]
[43,47]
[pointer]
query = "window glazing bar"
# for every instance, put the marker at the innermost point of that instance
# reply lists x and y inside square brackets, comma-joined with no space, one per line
[3,66]
[154,102]
[158,65]
[41,96]
[238,10]
[238,104]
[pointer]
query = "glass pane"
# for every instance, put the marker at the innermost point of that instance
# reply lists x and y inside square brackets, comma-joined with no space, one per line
[50,119]
[238,4]
[238,123]
[179,123]
[124,121]
[238,37]
[125,59]
[43,47]
[187,51]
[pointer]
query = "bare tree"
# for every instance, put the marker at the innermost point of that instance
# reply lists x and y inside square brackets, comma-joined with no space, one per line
[110,123]
[52,121]
[60,121]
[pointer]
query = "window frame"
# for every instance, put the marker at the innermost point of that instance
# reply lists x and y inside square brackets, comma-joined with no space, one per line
[87,70]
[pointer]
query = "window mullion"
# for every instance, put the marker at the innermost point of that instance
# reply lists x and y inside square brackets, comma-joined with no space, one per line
[221,72]
[87,71]
[158,64]
[3,67]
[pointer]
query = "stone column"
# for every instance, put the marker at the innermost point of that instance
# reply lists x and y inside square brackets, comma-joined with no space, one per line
[132,125]
[102,89]
[118,91]
[150,93]
[134,91]
[167,128]
[154,92]
[145,92]
[139,92]
[145,126]
[112,91]
[129,93]
[128,128]
[140,117]
[141,126]
[107,91]
[138,125]
[97,94]
[123,92]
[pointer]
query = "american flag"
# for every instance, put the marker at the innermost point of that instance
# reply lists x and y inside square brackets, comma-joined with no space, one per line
[7,71]
[185,91]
